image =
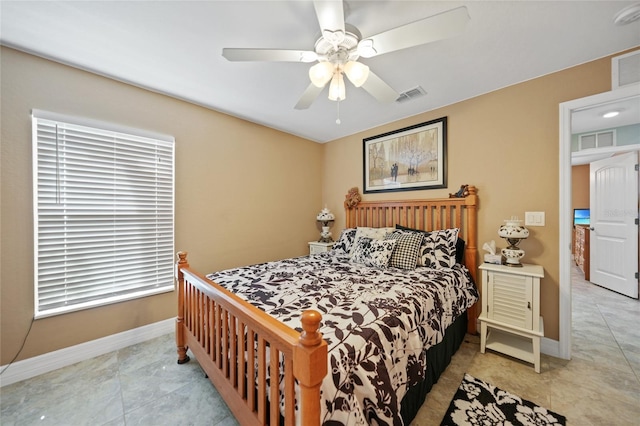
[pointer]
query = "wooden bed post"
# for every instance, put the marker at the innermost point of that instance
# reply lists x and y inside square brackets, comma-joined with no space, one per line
[310,366]
[471,252]
[180,338]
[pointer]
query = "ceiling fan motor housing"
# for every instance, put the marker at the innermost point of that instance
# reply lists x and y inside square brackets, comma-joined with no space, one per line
[341,53]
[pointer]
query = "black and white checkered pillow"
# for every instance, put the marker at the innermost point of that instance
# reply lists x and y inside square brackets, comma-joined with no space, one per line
[405,254]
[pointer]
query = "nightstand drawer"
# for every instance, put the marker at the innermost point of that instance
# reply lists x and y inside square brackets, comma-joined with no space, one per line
[316,247]
[510,299]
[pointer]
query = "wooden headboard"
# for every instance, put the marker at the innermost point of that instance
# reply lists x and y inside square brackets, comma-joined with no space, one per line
[427,215]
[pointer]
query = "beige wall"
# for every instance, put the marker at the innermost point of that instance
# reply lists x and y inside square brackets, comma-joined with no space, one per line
[506,144]
[580,186]
[240,197]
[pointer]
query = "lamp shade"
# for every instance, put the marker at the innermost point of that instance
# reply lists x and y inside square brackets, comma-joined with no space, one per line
[513,229]
[325,215]
[321,73]
[356,72]
[337,90]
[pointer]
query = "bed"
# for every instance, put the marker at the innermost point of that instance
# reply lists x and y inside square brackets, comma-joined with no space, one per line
[330,338]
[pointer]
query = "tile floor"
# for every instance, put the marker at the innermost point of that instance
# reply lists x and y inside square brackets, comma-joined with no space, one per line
[143,385]
[599,386]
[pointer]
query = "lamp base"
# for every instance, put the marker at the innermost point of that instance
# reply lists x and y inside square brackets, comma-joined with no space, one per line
[513,256]
[325,235]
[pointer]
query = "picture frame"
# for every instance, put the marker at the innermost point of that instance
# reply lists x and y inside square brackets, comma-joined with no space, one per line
[409,159]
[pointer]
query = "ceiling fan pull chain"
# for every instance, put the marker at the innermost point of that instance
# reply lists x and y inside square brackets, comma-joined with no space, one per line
[338,108]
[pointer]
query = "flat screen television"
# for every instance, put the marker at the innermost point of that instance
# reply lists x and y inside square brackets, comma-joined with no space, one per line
[581,217]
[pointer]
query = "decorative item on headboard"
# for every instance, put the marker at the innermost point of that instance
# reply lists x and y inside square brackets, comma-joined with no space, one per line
[352,198]
[462,192]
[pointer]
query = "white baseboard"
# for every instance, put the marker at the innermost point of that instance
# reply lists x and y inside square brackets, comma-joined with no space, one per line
[550,347]
[41,364]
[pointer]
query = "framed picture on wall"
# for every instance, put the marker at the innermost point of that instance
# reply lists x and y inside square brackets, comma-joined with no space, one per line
[407,159]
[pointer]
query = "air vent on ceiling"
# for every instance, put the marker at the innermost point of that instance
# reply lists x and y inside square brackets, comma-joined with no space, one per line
[410,94]
[625,69]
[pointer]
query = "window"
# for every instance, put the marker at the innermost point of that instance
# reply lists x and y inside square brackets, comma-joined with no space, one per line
[103,213]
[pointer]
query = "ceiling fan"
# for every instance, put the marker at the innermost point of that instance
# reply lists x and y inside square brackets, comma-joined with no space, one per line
[341,45]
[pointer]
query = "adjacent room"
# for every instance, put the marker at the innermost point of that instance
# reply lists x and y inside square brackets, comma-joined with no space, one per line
[319,212]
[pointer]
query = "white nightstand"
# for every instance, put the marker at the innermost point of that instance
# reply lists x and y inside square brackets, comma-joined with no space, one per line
[510,322]
[316,247]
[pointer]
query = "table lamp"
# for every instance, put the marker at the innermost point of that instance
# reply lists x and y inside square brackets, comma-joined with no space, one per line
[513,232]
[325,217]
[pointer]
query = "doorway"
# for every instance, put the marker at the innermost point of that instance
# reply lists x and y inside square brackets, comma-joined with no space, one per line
[567,109]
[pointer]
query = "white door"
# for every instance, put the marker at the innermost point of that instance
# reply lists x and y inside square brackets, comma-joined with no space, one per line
[614,232]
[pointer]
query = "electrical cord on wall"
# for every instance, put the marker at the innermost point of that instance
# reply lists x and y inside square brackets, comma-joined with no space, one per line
[21,347]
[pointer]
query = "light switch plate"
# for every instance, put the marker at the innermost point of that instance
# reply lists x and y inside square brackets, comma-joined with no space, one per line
[534,219]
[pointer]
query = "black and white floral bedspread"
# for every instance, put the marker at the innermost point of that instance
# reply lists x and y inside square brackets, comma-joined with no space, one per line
[377,323]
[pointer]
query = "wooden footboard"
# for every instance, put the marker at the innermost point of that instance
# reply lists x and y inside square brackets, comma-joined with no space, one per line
[242,349]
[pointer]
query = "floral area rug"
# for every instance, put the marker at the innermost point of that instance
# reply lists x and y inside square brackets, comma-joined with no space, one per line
[479,403]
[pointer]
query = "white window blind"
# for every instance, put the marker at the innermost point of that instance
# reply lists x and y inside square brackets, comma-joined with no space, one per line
[104,214]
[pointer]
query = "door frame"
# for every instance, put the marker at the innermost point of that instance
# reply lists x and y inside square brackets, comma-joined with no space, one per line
[565,208]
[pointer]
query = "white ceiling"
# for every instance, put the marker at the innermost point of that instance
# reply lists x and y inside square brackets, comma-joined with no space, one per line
[174,47]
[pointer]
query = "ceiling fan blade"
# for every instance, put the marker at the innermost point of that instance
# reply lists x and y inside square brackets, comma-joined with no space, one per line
[271,55]
[308,96]
[436,27]
[330,15]
[379,89]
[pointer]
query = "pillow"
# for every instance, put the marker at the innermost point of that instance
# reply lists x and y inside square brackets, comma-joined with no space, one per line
[374,233]
[372,252]
[460,243]
[344,243]
[439,248]
[405,254]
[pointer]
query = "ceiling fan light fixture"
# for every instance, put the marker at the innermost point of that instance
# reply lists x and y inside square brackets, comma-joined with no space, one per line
[337,91]
[321,73]
[341,43]
[356,72]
